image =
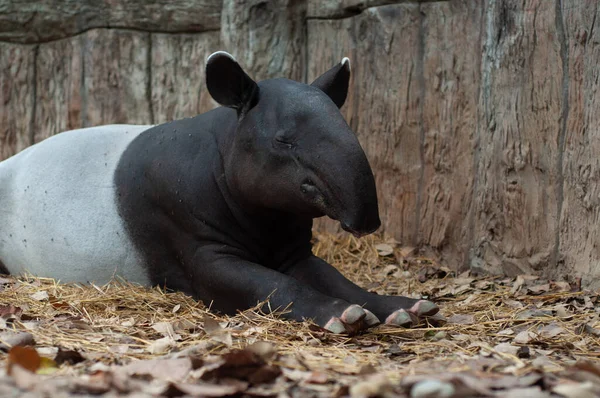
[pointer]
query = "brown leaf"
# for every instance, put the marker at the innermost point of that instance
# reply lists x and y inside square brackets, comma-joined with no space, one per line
[69,357]
[6,311]
[25,357]
[243,365]
[587,366]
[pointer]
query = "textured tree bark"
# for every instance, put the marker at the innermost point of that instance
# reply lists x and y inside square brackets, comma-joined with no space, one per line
[267,37]
[515,193]
[59,87]
[480,118]
[579,239]
[449,77]
[17,97]
[34,21]
[116,77]
[177,72]
[382,44]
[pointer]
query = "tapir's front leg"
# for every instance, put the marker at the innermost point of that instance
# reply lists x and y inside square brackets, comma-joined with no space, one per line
[394,310]
[228,283]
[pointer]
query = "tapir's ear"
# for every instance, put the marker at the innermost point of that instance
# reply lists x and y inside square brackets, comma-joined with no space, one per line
[228,84]
[335,82]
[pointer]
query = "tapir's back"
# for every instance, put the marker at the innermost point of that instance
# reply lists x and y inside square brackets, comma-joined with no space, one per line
[58,214]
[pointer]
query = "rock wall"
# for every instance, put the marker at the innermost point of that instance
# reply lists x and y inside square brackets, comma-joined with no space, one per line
[479,117]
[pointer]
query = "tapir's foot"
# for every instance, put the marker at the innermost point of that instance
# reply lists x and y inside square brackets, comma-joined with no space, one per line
[353,320]
[410,317]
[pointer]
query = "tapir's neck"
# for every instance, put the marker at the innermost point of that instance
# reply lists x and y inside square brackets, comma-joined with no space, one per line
[276,237]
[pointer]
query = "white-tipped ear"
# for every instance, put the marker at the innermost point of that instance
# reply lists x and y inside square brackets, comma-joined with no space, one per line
[346,63]
[228,84]
[220,53]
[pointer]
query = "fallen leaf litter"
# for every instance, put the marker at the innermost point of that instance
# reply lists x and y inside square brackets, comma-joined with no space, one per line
[505,337]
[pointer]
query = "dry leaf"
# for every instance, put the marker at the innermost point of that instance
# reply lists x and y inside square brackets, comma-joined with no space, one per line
[165,369]
[507,348]
[25,357]
[40,295]
[383,249]
[7,311]
[69,357]
[242,365]
[432,388]
[216,332]
[524,337]
[23,378]
[161,346]
[211,390]
[551,330]
[577,390]
[12,339]
[47,366]
[462,319]
[538,289]
[263,349]
[373,386]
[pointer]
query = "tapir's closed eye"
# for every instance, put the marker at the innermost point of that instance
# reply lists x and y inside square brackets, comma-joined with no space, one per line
[282,142]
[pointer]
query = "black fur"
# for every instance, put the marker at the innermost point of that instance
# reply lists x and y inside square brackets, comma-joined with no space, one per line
[221,205]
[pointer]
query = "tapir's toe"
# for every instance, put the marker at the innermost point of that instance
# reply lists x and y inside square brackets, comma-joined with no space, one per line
[353,314]
[411,317]
[402,318]
[335,325]
[424,308]
[354,319]
[371,320]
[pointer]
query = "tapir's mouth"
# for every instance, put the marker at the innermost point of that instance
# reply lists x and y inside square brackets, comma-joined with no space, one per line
[357,233]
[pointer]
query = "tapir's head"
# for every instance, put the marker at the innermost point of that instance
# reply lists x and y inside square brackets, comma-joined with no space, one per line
[292,149]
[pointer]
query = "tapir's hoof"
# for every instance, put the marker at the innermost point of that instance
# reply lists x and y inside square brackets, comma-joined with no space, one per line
[353,320]
[424,308]
[402,318]
[371,320]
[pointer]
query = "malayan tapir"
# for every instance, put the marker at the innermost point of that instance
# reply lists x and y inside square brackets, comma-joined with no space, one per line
[219,206]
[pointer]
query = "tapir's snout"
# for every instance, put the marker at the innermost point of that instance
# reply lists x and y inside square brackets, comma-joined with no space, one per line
[363,222]
[358,211]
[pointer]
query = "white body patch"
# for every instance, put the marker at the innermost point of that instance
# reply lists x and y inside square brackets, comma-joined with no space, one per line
[58,211]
